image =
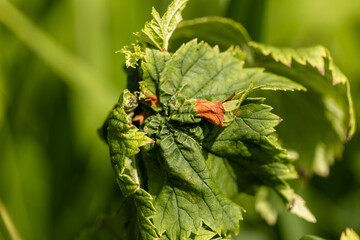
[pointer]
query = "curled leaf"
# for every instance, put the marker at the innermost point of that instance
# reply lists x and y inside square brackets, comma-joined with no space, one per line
[211,111]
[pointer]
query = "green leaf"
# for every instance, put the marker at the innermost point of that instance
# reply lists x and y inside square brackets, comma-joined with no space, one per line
[207,29]
[124,141]
[325,119]
[295,203]
[266,204]
[155,172]
[158,31]
[253,124]
[123,138]
[255,155]
[153,64]
[145,211]
[193,167]
[222,174]
[189,198]
[198,71]
[269,206]
[349,234]
[204,235]
[183,111]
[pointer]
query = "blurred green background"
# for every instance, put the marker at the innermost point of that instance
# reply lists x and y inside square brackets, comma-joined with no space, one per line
[59,77]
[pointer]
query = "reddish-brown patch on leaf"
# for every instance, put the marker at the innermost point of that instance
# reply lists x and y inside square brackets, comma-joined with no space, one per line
[238,112]
[153,99]
[211,111]
[140,117]
[164,50]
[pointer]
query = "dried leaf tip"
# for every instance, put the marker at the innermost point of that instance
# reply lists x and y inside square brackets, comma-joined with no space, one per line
[211,111]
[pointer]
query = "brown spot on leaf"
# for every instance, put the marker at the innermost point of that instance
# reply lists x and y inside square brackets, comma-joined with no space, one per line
[140,117]
[153,99]
[164,50]
[211,111]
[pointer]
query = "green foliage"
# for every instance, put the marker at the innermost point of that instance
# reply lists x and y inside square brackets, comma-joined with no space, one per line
[193,57]
[199,114]
[59,75]
[332,119]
